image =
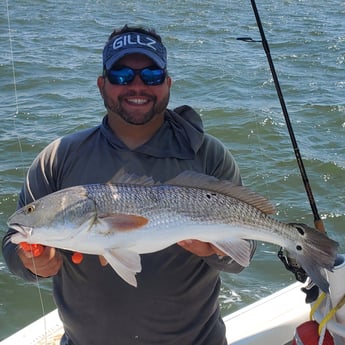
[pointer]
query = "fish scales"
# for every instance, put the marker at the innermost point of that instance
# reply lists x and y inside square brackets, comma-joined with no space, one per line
[185,206]
[171,201]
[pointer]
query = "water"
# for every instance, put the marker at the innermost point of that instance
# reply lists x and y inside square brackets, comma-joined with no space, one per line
[57,58]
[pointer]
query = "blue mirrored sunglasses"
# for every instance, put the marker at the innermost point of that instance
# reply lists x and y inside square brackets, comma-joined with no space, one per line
[125,75]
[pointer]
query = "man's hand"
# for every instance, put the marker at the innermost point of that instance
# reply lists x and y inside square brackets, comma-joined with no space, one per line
[47,264]
[200,248]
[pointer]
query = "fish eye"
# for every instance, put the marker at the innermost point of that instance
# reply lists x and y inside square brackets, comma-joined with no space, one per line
[30,209]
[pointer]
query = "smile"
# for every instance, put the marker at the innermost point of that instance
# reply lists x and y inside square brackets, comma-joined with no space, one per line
[137,101]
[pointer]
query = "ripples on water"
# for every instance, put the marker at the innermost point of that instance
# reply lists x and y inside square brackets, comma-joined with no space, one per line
[57,58]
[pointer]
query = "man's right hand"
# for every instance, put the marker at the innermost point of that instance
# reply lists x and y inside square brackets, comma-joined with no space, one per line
[47,264]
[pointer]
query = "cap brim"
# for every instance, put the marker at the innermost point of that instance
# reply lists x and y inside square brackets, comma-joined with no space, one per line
[135,50]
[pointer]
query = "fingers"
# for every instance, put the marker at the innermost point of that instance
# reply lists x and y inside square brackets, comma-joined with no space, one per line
[217,251]
[102,260]
[32,249]
[200,248]
[47,264]
[46,261]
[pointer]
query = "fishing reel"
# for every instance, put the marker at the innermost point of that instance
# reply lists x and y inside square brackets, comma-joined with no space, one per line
[311,290]
[292,265]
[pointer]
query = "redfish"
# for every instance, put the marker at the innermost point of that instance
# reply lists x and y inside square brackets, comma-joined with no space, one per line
[135,215]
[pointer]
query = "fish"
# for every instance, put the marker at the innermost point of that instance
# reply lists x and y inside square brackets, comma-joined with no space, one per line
[133,215]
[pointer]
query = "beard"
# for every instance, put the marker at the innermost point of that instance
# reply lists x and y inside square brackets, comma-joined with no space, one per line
[132,117]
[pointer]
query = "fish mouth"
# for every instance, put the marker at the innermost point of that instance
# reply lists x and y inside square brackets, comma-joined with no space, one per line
[23,231]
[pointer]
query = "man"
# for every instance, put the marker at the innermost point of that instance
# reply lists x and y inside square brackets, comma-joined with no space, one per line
[176,301]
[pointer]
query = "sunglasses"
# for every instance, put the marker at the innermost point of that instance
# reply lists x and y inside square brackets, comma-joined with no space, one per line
[125,75]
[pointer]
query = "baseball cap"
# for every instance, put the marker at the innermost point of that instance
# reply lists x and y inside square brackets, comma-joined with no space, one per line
[131,43]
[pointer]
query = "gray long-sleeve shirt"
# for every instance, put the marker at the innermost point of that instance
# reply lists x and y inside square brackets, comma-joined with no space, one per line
[176,301]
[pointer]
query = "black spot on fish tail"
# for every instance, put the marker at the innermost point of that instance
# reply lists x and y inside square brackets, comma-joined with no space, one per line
[315,251]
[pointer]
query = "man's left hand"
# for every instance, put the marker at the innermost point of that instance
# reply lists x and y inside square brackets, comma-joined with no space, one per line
[200,248]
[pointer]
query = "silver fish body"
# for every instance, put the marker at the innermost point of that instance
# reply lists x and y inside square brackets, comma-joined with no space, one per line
[133,216]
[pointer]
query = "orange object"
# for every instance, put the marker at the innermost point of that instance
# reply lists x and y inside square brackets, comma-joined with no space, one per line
[77,258]
[36,249]
[307,334]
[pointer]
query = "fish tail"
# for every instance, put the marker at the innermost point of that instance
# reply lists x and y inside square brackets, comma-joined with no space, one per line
[315,252]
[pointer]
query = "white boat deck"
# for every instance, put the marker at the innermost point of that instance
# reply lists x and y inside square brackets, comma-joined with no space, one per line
[270,321]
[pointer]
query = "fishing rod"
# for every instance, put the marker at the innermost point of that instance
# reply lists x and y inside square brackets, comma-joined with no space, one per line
[290,264]
[317,220]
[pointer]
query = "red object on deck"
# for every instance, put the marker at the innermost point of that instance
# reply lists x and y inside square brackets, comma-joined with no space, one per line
[307,334]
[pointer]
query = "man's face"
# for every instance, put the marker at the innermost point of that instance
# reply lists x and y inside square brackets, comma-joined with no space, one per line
[136,103]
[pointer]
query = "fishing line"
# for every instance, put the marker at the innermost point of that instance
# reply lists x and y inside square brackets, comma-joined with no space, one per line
[14,82]
[20,147]
[12,59]
[317,220]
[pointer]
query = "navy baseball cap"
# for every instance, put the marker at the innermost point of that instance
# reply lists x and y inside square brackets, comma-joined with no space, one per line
[131,43]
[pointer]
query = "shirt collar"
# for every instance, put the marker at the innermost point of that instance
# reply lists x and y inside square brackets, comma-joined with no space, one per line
[180,136]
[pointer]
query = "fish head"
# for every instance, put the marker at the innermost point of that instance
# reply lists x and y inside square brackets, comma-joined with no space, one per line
[53,218]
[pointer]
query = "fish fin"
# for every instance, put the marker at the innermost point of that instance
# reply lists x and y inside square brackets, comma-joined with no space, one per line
[239,250]
[225,187]
[125,263]
[122,177]
[315,273]
[201,181]
[121,222]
